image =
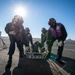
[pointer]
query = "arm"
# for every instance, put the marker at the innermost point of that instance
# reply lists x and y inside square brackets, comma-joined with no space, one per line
[63,37]
[7,28]
[31,40]
[64,33]
[41,38]
[49,36]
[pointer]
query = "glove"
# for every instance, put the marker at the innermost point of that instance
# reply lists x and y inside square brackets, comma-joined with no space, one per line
[12,33]
[60,43]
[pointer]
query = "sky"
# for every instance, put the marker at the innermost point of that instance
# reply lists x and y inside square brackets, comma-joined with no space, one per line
[38,13]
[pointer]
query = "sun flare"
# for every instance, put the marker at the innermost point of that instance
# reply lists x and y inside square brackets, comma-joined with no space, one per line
[20,10]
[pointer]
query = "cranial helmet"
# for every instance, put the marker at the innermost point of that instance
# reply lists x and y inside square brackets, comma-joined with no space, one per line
[44,29]
[17,19]
[27,29]
[51,20]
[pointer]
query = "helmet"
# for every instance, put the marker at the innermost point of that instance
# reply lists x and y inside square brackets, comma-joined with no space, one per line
[44,30]
[17,19]
[51,21]
[27,29]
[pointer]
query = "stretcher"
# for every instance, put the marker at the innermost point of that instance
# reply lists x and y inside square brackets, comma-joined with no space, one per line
[36,55]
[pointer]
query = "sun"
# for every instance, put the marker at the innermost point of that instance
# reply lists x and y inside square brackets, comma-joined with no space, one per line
[20,10]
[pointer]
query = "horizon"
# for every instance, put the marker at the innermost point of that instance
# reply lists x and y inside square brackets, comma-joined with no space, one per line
[69,39]
[37,13]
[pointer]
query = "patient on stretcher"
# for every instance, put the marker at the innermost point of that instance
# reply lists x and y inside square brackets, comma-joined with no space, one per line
[37,47]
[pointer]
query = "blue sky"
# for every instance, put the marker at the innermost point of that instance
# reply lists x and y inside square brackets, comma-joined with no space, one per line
[38,13]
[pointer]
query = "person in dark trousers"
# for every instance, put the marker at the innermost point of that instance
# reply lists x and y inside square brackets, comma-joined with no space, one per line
[0,37]
[14,30]
[43,36]
[1,40]
[58,32]
[27,38]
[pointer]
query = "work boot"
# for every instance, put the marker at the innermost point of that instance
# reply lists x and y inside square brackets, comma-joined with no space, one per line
[60,61]
[9,62]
